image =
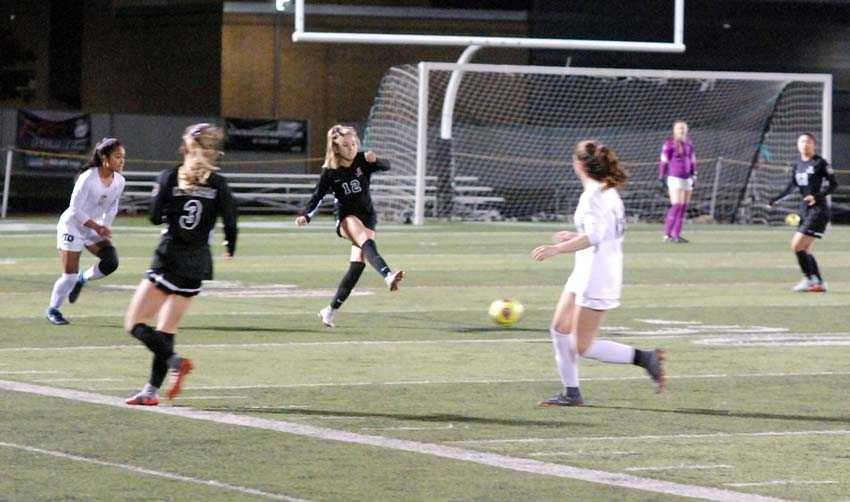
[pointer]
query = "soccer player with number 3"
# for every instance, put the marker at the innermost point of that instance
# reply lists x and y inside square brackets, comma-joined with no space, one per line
[188,199]
[347,173]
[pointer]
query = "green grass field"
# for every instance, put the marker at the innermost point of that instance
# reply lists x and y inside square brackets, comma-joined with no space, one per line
[418,395]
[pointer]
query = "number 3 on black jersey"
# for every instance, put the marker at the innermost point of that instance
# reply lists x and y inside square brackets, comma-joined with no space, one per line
[192,218]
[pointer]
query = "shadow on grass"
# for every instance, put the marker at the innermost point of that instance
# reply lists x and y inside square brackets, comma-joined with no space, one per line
[729,413]
[556,422]
[496,329]
[229,329]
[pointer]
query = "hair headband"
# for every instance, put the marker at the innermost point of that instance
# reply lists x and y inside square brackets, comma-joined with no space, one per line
[105,142]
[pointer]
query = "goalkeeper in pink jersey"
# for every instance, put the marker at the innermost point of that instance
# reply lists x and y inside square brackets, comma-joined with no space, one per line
[678,172]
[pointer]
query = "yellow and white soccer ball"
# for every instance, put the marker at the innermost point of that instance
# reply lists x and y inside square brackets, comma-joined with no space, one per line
[792,219]
[506,312]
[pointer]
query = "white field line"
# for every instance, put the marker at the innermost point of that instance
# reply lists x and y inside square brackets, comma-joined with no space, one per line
[193,398]
[487,381]
[438,428]
[449,341]
[27,372]
[678,467]
[150,472]
[783,482]
[58,380]
[583,453]
[437,450]
[660,437]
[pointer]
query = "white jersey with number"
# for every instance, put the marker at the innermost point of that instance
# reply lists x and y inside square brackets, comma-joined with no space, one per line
[598,270]
[90,200]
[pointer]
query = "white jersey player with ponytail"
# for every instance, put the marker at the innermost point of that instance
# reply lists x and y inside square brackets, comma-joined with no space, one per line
[596,281]
[86,225]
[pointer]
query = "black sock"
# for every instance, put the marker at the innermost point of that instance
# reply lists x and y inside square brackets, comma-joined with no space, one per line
[370,251]
[158,342]
[813,266]
[149,337]
[159,369]
[349,280]
[641,358]
[803,260]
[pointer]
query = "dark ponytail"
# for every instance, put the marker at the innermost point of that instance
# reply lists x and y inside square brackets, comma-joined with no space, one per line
[600,163]
[103,149]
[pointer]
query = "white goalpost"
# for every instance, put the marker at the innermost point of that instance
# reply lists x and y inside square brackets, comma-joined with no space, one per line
[511,130]
[301,34]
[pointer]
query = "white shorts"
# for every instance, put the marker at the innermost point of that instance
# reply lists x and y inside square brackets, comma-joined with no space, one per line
[594,303]
[674,183]
[71,238]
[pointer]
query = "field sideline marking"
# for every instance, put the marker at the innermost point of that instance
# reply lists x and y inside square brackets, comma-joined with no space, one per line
[660,437]
[784,482]
[677,467]
[437,450]
[582,453]
[150,472]
[754,334]
[487,381]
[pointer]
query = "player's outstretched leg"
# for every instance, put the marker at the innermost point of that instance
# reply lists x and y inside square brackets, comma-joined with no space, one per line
[108,263]
[346,285]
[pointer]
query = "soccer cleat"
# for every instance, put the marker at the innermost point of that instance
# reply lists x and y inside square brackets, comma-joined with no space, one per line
[566,397]
[56,317]
[327,316]
[817,287]
[667,238]
[184,367]
[78,286]
[804,285]
[682,240]
[142,399]
[655,368]
[393,279]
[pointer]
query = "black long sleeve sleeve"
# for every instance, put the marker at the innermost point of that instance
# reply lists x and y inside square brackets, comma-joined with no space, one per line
[829,175]
[228,210]
[322,187]
[787,191]
[160,196]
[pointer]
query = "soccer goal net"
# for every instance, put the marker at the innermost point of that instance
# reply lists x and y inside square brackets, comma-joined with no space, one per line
[513,129]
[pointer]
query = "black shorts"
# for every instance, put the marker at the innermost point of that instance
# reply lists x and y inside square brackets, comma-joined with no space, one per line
[173,284]
[370,221]
[814,220]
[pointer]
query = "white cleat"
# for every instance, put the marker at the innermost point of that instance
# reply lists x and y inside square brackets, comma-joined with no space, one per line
[804,285]
[393,279]
[327,316]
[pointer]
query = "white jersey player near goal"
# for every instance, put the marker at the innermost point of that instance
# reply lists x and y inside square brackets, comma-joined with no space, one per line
[596,281]
[85,224]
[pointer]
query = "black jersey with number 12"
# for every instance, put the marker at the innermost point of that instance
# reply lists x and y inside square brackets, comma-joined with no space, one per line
[190,214]
[350,186]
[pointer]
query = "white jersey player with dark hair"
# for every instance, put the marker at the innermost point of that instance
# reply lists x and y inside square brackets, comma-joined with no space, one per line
[85,224]
[595,283]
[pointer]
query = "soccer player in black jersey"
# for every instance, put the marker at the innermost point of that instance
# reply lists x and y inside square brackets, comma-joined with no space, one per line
[808,175]
[347,173]
[188,199]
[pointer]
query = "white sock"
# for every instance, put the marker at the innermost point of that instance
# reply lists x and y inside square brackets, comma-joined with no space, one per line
[63,285]
[93,273]
[566,357]
[150,390]
[610,352]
